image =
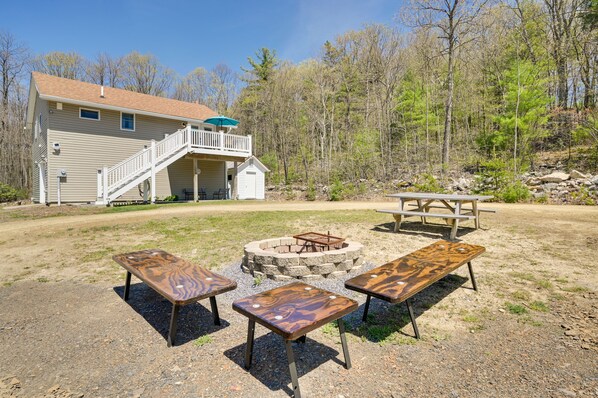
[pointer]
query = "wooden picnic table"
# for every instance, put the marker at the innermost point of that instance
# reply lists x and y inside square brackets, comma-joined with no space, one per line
[426,201]
[175,279]
[292,311]
[401,279]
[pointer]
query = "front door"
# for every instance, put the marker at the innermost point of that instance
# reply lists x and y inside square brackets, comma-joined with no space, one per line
[250,187]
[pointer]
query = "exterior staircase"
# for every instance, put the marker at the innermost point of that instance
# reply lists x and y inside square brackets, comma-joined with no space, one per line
[116,180]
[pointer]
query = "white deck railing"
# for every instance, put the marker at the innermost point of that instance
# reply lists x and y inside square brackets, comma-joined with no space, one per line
[113,179]
[220,141]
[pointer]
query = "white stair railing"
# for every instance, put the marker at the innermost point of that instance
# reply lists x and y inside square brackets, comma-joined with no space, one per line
[116,180]
[115,177]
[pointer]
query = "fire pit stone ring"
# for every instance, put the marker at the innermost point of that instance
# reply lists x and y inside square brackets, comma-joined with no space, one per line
[283,259]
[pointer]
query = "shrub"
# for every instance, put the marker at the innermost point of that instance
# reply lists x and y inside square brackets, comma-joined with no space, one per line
[514,192]
[171,198]
[491,177]
[311,191]
[10,194]
[336,191]
[428,183]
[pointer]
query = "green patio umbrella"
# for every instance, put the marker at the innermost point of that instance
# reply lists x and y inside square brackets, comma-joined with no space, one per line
[221,121]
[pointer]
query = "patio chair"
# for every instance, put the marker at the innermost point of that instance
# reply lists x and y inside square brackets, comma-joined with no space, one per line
[219,194]
[188,194]
[202,194]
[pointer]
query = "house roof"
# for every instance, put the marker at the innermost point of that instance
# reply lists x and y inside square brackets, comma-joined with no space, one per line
[60,89]
[256,162]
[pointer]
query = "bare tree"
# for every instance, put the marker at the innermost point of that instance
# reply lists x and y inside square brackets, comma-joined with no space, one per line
[105,70]
[68,65]
[14,143]
[455,23]
[223,84]
[145,74]
[562,14]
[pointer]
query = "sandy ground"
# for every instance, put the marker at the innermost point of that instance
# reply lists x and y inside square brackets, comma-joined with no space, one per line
[62,336]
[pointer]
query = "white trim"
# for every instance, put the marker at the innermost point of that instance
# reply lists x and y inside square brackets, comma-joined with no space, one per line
[134,121]
[89,118]
[116,108]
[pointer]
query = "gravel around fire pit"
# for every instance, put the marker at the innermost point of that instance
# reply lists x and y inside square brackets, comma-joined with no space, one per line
[248,285]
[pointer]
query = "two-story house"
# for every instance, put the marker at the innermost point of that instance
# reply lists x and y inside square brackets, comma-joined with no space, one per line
[100,144]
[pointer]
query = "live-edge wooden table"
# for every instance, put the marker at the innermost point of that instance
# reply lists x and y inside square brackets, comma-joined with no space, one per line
[401,279]
[175,279]
[292,311]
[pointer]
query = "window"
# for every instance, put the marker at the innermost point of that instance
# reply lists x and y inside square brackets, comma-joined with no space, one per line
[127,121]
[90,114]
[194,127]
[207,128]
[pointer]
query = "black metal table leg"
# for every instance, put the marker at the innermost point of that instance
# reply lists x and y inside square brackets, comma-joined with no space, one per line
[293,369]
[249,346]
[173,323]
[475,287]
[127,285]
[366,308]
[408,302]
[302,339]
[215,310]
[341,329]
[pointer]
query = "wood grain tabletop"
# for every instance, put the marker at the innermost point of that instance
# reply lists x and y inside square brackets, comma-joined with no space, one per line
[406,276]
[295,309]
[177,280]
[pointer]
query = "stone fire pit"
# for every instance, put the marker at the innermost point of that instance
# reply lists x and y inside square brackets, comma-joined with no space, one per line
[283,259]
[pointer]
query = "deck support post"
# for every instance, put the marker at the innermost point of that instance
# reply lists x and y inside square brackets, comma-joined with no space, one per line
[235,188]
[195,181]
[153,171]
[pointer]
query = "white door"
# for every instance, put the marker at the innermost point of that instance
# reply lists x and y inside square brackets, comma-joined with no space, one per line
[250,181]
[42,184]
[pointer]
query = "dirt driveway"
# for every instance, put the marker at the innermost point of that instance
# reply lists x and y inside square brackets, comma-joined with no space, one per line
[531,331]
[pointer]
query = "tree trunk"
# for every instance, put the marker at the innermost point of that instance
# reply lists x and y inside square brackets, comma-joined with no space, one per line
[449,106]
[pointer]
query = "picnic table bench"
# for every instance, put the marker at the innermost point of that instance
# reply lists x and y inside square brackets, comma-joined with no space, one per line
[401,279]
[175,279]
[426,201]
[292,311]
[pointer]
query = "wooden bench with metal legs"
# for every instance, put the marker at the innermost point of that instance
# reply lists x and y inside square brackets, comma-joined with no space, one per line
[292,311]
[401,279]
[175,279]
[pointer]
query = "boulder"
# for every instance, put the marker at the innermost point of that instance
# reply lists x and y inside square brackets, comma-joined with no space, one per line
[533,181]
[550,186]
[577,174]
[594,180]
[557,176]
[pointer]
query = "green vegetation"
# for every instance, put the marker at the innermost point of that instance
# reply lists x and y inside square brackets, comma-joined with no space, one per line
[202,340]
[331,328]
[516,309]
[428,183]
[539,306]
[10,194]
[171,198]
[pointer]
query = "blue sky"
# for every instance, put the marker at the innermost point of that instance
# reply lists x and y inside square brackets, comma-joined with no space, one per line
[187,34]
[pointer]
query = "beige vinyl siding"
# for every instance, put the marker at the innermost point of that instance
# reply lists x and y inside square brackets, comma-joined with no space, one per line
[212,176]
[39,146]
[181,176]
[87,145]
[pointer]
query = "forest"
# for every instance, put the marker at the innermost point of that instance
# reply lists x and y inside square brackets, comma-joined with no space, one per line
[451,86]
